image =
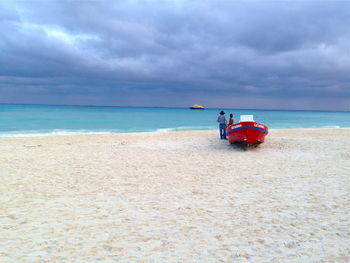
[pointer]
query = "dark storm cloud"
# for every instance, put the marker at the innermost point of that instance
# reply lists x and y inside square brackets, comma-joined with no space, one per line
[250,54]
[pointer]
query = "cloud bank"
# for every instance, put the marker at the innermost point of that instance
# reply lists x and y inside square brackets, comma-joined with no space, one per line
[242,54]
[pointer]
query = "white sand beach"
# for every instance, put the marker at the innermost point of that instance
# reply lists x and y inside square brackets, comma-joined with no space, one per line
[176,197]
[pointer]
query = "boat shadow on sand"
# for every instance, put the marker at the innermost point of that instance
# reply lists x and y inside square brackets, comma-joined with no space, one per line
[224,145]
[245,147]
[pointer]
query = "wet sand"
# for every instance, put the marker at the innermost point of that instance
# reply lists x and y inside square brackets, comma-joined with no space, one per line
[176,197]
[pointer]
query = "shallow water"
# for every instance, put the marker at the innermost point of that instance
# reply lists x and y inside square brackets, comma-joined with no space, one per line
[36,120]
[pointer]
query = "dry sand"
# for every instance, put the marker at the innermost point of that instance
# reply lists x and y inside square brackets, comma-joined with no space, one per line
[176,197]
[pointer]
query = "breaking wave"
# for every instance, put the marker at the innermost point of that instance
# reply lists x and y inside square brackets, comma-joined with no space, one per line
[62,132]
[40,133]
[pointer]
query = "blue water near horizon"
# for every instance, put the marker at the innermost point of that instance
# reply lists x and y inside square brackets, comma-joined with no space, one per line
[37,120]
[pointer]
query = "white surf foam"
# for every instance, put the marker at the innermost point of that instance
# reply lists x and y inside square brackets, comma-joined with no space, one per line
[40,133]
[331,127]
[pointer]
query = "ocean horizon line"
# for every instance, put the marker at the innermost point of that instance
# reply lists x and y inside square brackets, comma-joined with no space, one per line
[160,107]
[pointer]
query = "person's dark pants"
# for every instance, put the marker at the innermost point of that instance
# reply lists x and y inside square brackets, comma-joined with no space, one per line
[222,131]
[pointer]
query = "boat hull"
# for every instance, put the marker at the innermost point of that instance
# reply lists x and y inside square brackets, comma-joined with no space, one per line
[247,133]
[194,108]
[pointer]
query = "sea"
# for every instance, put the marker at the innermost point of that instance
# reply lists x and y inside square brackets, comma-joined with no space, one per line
[45,120]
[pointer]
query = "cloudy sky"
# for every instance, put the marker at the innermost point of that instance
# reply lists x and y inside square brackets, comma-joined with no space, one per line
[266,54]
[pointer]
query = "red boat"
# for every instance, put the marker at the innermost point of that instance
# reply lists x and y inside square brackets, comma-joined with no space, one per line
[247,132]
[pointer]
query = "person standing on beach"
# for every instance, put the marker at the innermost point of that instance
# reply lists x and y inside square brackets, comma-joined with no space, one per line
[222,125]
[230,121]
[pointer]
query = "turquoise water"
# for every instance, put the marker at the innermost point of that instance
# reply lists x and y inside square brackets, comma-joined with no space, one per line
[35,120]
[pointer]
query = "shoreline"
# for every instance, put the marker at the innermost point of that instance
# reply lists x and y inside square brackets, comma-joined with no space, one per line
[183,196]
[165,130]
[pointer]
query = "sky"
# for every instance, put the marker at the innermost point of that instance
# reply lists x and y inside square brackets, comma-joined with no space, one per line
[174,53]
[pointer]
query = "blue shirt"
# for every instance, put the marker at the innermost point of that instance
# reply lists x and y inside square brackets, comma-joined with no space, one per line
[222,119]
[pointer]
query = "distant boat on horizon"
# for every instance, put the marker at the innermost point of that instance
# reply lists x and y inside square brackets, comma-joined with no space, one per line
[196,107]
